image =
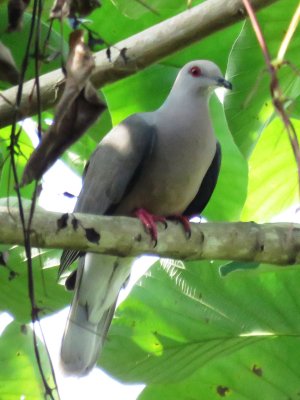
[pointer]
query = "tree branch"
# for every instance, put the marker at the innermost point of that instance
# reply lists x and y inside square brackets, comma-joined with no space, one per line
[142,50]
[123,236]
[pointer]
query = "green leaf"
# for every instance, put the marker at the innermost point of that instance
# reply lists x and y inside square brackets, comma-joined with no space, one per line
[185,327]
[229,196]
[14,293]
[20,378]
[265,368]
[273,177]
[22,154]
[160,8]
[249,106]
[113,25]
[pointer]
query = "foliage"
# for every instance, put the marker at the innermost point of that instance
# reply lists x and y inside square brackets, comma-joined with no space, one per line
[187,329]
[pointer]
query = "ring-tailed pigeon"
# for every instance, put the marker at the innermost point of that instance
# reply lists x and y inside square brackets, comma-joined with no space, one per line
[163,163]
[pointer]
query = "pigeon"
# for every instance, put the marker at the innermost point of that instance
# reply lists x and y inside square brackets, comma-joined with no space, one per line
[152,165]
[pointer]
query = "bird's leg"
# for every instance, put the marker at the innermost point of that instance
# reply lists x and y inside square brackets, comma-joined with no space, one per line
[184,221]
[149,221]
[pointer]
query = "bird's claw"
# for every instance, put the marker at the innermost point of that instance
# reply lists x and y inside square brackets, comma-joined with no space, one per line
[149,221]
[184,221]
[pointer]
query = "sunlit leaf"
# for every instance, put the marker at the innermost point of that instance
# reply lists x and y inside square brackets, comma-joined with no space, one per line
[14,290]
[249,106]
[185,328]
[20,377]
[273,174]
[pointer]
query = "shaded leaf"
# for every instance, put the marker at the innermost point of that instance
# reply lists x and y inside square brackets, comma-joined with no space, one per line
[14,297]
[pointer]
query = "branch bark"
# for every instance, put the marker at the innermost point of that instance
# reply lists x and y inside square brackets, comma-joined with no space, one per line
[123,236]
[142,50]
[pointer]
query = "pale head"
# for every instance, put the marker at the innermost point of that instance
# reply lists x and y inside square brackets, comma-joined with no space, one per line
[201,75]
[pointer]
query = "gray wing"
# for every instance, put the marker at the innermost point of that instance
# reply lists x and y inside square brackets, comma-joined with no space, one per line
[112,170]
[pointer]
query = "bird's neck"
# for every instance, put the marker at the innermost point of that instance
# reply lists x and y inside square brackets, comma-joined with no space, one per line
[186,108]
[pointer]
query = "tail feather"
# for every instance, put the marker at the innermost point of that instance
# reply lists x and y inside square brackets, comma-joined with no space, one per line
[99,279]
[83,341]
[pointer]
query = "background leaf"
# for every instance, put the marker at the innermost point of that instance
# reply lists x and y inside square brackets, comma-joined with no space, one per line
[14,297]
[19,376]
[200,332]
[273,177]
[249,107]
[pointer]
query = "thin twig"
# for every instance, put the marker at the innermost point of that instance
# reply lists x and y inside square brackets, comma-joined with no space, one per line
[36,16]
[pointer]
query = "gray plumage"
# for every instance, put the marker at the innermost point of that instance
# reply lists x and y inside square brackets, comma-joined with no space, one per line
[166,162]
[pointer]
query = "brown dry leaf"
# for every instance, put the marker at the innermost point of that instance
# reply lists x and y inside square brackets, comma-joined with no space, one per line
[65,8]
[60,9]
[82,8]
[8,69]
[78,108]
[15,10]
[82,113]
[79,67]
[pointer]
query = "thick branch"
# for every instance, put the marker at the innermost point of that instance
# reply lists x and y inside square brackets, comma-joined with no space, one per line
[142,50]
[268,243]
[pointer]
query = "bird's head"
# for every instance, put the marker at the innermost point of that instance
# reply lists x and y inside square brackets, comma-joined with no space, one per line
[201,75]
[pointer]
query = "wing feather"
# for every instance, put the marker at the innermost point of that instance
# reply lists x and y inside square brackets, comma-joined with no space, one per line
[112,170]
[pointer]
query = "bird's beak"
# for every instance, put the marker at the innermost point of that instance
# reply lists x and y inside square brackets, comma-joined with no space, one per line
[223,82]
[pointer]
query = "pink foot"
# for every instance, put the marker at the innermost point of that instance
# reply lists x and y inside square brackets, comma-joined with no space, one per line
[149,221]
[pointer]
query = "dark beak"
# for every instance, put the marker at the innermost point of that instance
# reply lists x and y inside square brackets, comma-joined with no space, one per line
[224,83]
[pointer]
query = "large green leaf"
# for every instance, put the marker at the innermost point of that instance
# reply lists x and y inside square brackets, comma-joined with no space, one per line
[249,107]
[262,370]
[187,330]
[20,378]
[273,174]
[113,25]
[14,292]
[229,196]
[160,8]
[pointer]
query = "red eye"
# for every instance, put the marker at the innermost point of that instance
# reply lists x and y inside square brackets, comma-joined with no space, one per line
[195,71]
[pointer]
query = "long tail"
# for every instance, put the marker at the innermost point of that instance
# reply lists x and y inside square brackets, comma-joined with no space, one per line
[98,282]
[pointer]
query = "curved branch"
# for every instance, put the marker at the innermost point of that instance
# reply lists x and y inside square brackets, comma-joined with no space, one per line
[123,236]
[142,50]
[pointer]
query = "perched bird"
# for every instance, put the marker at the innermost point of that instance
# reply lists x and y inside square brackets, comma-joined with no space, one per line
[154,165]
